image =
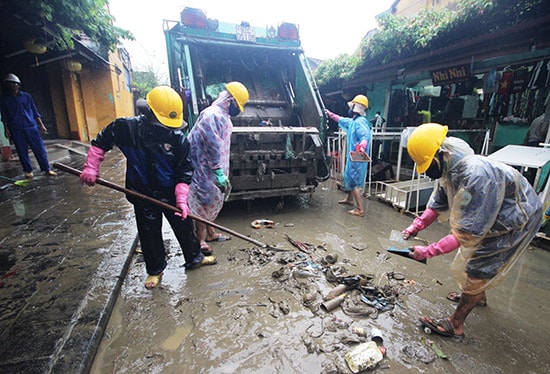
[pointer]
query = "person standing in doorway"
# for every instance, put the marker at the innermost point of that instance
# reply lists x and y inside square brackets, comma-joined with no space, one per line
[378,125]
[358,139]
[21,120]
[210,140]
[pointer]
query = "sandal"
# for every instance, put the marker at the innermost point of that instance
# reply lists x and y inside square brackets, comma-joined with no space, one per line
[455,297]
[152,281]
[356,212]
[219,238]
[436,325]
[206,260]
[205,249]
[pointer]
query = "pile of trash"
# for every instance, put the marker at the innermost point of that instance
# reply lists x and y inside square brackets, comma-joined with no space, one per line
[308,272]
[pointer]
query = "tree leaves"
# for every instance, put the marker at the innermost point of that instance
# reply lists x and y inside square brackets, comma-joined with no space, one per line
[399,37]
[70,18]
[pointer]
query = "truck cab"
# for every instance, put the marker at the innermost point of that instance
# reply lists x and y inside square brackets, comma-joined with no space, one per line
[277,144]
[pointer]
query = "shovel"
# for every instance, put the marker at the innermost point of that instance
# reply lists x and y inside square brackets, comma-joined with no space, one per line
[396,247]
[164,205]
[405,252]
[20,183]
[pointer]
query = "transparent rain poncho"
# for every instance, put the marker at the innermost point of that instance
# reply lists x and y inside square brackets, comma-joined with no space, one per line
[492,210]
[210,140]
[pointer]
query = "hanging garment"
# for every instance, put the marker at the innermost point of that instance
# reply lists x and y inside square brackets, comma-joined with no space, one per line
[505,82]
[520,81]
[490,81]
[539,78]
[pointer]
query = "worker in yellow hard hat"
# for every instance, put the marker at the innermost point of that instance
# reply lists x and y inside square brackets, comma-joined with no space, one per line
[358,137]
[157,165]
[210,140]
[493,213]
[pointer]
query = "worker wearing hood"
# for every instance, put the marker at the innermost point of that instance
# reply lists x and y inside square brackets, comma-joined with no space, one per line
[358,138]
[492,210]
[210,140]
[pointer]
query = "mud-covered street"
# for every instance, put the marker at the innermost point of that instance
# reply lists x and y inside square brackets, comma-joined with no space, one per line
[259,310]
[73,300]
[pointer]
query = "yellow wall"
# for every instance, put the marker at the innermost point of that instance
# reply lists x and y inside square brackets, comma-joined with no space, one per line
[75,105]
[123,96]
[90,99]
[99,88]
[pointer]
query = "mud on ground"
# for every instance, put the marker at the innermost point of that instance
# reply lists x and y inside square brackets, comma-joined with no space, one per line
[247,314]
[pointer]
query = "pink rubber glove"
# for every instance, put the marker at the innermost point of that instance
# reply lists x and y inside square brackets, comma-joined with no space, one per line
[420,223]
[90,173]
[332,116]
[182,192]
[447,244]
[363,146]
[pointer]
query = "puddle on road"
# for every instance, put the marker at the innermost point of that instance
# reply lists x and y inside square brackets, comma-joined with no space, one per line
[175,340]
[237,317]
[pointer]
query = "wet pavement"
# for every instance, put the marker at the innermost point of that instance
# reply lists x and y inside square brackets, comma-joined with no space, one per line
[73,300]
[63,255]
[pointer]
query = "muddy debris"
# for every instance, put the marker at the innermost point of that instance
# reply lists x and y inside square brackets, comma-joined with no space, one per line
[260,310]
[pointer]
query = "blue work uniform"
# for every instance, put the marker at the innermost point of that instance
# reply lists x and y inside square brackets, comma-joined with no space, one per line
[19,114]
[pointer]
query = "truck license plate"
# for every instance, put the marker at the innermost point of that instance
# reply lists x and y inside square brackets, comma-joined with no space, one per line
[245,33]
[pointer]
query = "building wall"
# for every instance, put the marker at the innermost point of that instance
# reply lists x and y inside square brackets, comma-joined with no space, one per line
[413,7]
[59,105]
[93,97]
[122,84]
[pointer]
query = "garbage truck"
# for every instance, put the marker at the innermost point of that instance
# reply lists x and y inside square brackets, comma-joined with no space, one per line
[278,143]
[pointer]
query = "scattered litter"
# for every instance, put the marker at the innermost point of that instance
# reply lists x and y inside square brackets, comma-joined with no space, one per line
[359,247]
[331,259]
[415,351]
[259,223]
[304,247]
[363,356]
[437,349]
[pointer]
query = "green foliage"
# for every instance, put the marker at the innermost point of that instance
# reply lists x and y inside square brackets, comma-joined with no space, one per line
[67,17]
[144,81]
[341,67]
[400,37]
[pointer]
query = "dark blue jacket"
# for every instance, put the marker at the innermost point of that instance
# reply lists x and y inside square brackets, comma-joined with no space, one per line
[157,156]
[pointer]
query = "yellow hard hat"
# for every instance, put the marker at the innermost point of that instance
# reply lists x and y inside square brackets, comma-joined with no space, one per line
[424,142]
[239,93]
[361,99]
[167,106]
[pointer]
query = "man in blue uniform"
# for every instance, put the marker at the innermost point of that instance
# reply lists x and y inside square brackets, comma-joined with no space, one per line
[22,119]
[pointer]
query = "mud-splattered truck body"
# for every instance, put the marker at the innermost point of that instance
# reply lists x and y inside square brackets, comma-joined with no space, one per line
[277,145]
